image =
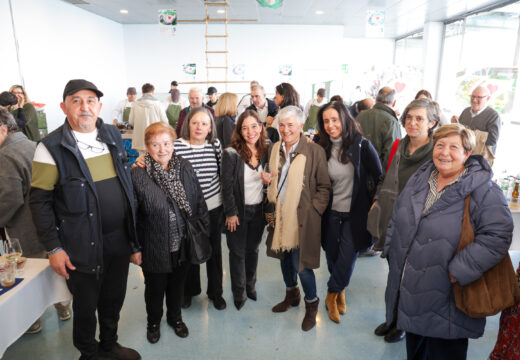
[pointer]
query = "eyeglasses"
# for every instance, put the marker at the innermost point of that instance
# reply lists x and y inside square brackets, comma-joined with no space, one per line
[478,97]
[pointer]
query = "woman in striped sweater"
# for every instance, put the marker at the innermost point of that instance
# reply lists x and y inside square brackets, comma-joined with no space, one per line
[199,145]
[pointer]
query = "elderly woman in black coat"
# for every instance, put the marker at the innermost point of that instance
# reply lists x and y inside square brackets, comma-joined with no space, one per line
[167,193]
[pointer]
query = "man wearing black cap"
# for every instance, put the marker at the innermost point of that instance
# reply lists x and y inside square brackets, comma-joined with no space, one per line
[121,112]
[212,96]
[83,208]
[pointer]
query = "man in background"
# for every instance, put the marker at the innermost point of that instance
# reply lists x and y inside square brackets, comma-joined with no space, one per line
[121,112]
[266,108]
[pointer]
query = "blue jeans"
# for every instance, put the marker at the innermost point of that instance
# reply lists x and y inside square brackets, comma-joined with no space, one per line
[289,265]
[339,249]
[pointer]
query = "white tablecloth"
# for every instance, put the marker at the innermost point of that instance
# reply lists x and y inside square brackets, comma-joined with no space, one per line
[21,306]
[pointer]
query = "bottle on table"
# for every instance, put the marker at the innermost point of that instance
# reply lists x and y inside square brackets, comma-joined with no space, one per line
[514,195]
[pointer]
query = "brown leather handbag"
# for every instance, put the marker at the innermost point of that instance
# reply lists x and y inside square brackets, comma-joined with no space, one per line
[495,291]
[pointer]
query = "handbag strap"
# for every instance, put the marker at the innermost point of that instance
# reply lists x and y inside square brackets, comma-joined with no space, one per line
[467,235]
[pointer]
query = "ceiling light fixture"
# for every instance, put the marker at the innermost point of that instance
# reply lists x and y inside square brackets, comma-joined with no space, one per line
[123,11]
[319,12]
[221,11]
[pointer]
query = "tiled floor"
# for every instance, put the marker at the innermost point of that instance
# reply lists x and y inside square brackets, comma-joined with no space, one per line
[254,332]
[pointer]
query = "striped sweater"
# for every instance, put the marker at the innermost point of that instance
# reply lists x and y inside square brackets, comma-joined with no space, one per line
[203,158]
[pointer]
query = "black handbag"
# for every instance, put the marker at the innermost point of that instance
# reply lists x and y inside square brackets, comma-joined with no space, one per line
[197,238]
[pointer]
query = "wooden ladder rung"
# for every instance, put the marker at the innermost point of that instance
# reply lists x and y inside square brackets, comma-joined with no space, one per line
[217,52]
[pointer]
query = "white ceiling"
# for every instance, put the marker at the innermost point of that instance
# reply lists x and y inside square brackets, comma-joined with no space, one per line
[401,16]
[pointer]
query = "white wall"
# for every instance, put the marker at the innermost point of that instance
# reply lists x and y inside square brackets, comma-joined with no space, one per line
[59,42]
[315,52]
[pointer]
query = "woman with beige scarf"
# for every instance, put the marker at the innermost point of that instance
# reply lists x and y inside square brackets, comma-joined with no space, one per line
[300,190]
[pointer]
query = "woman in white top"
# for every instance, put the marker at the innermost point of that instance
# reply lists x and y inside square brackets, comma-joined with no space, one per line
[242,196]
[199,145]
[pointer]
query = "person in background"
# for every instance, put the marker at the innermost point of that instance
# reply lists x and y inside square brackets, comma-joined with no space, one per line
[299,186]
[31,117]
[212,95]
[195,97]
[312,108]
[285,95]
[82,203]
[174,108]
[226,112]
[266,108]
[145,111]
[121,113]
[420,118]
[352,160]
[16,154]
[422,240]
[242,197]
[200,146]
[361,105]
[246,100]
[423,94]
[479,116]
[174,85]
[380,124]
[10,101]
[167,192]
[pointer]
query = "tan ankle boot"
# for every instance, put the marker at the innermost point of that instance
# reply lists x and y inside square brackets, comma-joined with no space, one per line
[292,298]
[342,305]
[332,306]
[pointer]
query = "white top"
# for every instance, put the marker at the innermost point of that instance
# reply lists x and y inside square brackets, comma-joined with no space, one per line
[120,108]
[244,103]
[262,113]
[253,185]
[313,102]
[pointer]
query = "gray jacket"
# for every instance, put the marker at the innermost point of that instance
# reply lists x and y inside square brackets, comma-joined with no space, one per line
[421,250]
[16,154]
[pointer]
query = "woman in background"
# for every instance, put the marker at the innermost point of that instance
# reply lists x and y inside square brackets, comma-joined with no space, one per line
[31,117]
[225,113]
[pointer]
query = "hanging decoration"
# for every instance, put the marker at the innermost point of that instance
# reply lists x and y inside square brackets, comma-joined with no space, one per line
[190,69]
[285,70]
[167,22]
[273,4]
[239,70]
[344,67]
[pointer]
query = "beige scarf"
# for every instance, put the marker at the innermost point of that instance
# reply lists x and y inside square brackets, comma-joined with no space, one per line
[286,233]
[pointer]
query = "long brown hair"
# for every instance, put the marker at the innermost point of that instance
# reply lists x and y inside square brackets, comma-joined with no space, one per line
[239,143]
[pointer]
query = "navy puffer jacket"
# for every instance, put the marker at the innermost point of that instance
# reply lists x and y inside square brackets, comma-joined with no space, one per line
[421,250]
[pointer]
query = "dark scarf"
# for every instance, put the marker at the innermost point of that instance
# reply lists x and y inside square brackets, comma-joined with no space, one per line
[409,163]
[170,182]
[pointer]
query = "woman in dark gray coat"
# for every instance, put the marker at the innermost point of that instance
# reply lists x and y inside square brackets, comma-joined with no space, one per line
[166,192]
[242,197]
[422,240]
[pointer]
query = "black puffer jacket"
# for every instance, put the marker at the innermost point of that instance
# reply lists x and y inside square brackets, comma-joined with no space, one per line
[152,215]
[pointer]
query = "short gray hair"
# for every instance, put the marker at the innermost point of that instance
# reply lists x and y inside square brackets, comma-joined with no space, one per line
[386,95]
[290,111]
[199,90]
[259,87]
[8,120]
[433,112]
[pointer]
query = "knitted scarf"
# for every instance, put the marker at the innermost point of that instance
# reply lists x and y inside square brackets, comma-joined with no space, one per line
[170,182]
[286,235]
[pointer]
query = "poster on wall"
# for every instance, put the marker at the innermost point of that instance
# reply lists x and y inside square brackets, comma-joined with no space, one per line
[285,70]
[167,22]
[239,70]
[375,26]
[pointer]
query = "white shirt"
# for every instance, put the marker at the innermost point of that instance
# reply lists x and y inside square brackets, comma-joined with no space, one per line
[253,185]
[120,108]
[285,170]
[313,102]
[262,113]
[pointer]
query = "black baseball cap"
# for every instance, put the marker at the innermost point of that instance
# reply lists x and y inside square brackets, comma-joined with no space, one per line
[212,90]
[174,83]
[73,86]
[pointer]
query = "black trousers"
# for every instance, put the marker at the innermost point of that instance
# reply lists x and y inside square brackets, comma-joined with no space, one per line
[429,348]
[243,251]
[213,265]
[169,284]
[104,293]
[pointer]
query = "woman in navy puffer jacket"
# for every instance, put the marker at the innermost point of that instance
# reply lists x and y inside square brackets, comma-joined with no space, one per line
[422,239]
